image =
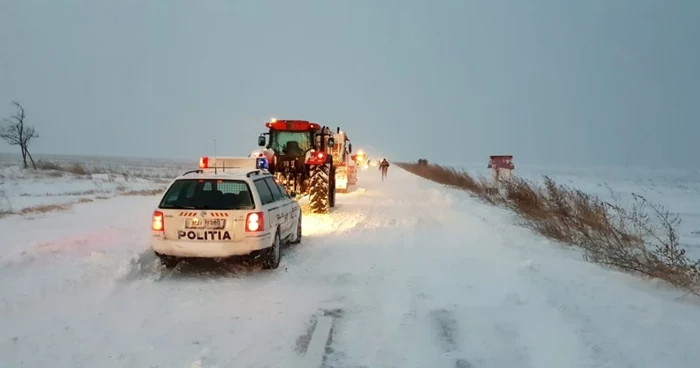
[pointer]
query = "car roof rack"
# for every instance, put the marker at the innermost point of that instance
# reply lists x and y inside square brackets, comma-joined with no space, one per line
[193,171]
[257,172]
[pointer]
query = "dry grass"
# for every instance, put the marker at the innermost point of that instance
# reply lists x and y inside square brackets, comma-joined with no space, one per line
[74,168]
[43,209]
[640,237]
[142,192]
[46,165]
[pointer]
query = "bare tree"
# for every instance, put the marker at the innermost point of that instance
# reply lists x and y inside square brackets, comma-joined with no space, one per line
[16,133]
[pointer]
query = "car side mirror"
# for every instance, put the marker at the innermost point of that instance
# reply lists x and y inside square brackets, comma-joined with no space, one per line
[350,147]
[293,194]
[261,141]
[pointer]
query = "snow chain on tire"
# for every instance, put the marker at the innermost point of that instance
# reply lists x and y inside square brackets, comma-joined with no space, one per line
[319,198]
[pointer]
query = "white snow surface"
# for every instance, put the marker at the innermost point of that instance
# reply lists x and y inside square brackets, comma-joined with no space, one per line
[413,274]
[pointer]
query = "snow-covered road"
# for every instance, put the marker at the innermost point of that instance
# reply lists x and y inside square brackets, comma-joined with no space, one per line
[410,275]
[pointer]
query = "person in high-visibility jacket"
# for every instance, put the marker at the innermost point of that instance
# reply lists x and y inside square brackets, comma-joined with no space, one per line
[384,167]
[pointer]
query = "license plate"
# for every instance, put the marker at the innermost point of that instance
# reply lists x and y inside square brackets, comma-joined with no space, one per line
[196,223]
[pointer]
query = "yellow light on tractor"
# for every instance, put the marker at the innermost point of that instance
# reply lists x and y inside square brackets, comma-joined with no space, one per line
[273,120]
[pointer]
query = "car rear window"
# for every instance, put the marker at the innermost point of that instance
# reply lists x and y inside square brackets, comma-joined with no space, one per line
[209,194]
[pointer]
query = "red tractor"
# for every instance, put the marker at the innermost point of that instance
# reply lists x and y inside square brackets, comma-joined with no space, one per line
[300,155]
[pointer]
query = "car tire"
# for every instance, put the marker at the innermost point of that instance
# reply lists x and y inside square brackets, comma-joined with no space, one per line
[297,239]
[273,254]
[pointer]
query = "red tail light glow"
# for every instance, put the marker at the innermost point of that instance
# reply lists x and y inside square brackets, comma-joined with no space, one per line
[254,222]
[317,158]
[203,162]
[157,223]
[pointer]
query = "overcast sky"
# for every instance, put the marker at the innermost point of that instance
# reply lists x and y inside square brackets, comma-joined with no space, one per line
[579,82]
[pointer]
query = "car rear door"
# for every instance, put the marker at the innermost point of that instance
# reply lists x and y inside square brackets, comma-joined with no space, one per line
[269,205]
[293,208]
[282,201]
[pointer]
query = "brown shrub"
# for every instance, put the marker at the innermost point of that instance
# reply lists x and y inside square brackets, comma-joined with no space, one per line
[46,165]
[77,168]
[74,168]
[641,237]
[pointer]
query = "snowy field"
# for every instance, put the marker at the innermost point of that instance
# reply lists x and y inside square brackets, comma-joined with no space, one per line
[404,272]
[63,181]
[677,190]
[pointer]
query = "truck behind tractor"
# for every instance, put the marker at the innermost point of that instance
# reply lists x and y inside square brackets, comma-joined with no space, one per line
[305,158]
[345,166]
[360,159]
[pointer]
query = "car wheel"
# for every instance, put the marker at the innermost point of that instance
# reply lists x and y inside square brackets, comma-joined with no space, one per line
[297,237]
[274,254]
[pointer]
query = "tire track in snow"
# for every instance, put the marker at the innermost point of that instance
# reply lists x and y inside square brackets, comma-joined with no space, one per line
[451,306]
[376,293]
[447,327]
[316,343]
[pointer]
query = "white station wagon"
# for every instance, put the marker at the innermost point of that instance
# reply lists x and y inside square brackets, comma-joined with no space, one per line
[225,209]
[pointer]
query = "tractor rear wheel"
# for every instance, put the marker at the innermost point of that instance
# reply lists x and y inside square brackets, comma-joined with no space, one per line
[320,189]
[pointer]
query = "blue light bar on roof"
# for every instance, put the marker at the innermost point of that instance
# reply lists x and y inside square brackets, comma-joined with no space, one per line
[261,163]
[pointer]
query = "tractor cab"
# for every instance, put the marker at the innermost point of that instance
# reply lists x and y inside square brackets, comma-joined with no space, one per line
[293,140]
[289,137]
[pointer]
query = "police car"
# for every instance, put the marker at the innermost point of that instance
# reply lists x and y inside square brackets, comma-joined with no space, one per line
[229,207]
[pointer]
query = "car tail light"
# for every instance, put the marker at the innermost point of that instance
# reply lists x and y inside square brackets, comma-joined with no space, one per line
[254,222]
[158,224]
[203,162]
